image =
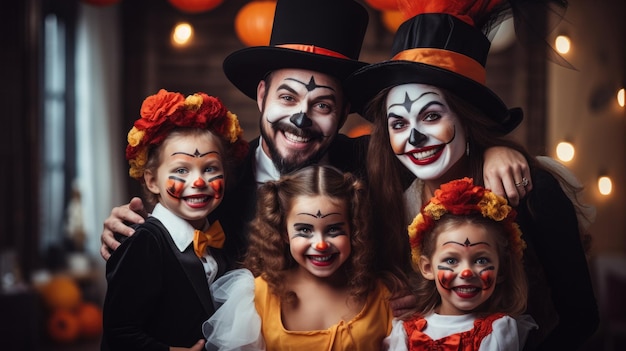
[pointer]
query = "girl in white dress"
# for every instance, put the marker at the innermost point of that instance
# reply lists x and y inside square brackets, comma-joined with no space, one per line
[468,251]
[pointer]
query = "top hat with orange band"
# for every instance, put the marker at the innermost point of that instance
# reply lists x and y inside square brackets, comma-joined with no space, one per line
[318,35]
[440,46]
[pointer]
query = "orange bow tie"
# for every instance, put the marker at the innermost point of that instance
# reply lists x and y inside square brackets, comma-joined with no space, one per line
[213,237]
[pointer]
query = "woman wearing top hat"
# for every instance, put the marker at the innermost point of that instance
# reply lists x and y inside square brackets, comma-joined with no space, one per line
[434,117]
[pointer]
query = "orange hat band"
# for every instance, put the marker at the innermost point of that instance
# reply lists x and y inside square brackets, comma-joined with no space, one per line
[313,49]
[449,60]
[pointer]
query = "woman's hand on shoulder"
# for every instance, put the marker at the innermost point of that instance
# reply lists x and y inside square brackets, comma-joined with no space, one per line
[506,173]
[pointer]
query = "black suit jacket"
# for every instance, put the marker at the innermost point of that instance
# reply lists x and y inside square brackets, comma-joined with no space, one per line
[156,296]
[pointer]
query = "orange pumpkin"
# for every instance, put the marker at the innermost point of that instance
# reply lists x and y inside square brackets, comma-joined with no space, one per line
[63,326]
[61,292]
[89,319]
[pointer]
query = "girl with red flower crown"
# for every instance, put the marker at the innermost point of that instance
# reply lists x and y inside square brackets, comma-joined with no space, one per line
[468,251]
[158,280]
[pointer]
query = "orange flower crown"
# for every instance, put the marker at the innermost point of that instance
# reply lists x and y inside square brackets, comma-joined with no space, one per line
[462,197]
[164,111]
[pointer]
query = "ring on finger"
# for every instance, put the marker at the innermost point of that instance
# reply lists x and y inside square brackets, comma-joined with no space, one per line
[523,183]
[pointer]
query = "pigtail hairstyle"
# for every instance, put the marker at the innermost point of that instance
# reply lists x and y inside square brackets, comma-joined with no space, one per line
[269,255]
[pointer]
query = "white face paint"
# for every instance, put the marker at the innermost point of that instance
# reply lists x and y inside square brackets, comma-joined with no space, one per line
[317,99]
[426,136]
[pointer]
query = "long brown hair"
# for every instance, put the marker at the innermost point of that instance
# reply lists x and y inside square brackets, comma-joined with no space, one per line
[388,179]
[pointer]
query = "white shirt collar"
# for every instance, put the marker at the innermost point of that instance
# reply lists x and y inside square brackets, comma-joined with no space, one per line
[265,169]
[180,230]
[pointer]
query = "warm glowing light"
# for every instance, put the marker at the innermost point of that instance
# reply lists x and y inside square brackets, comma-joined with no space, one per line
[562,43]
[182,34]
[620,97]
[605,186]
[565,151]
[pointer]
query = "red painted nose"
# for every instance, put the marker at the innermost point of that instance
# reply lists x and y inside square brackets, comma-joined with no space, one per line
[467,274]
[199,183]
[321,246]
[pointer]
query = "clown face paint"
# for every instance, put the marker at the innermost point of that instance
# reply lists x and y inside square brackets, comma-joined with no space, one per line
[426,136]
[464,267]
[190,178]
[175,185]
[301,113]
[319,234]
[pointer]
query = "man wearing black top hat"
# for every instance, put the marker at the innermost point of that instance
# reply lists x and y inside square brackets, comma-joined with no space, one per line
[297,82]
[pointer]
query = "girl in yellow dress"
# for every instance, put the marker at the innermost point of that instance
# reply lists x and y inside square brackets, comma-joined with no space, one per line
[311,282]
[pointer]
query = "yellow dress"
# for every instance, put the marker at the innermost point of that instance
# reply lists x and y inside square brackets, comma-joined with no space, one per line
[364,332]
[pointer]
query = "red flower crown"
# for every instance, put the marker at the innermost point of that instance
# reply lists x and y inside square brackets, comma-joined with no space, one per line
[462,197]
[164,111]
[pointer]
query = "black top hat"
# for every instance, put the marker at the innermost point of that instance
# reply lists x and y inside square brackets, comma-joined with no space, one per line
[318,35]
[436,49]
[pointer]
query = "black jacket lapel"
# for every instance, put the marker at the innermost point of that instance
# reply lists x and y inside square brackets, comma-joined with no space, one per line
[195,273]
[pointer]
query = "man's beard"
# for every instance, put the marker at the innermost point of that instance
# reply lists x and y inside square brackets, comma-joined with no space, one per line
[283,165]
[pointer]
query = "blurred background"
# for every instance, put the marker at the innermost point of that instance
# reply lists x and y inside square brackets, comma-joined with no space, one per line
[73,76]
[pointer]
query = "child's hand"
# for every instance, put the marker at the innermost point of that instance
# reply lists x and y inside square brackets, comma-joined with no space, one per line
[199,346]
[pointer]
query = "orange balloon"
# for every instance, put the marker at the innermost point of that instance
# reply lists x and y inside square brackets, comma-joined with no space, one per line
[195,6]
[100,2]
[383,5]
[253,23]
[392,19]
